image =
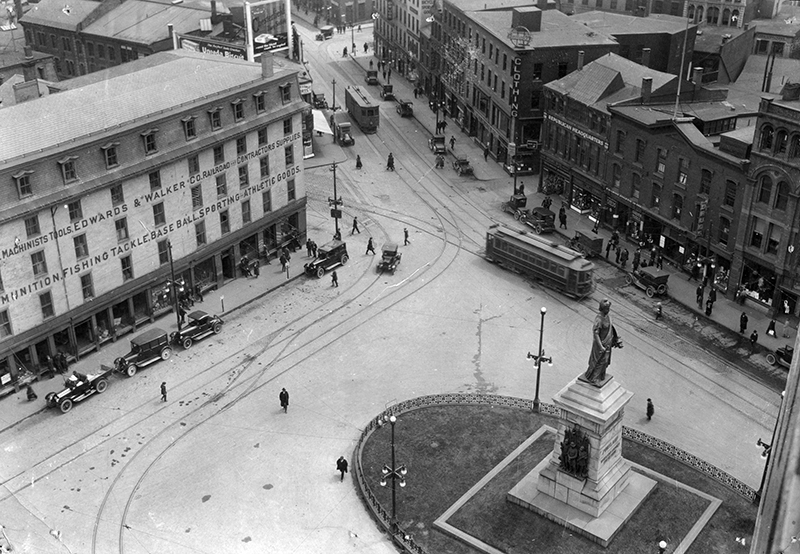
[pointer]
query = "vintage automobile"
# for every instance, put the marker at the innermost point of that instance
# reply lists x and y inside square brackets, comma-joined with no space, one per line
[781,356]
[319,101]
[462,166]
[405,109]
[77,387]
[371,78]
[586,245]
[516,206]
[390,258]
[541,220]
[328,256]
[325,32]
[387,92]
[198,326]
[147,348]
[342,129]
[651,280]
[436,144]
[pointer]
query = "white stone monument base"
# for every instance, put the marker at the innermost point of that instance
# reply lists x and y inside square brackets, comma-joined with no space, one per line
[599,529]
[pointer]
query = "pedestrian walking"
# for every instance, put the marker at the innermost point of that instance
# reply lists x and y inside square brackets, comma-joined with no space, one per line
[753,340]
[651,410]
[743,323]
[709,306]
[660,261]
[608,248]
[390,162]
[712,294]
[366,46]
[284,398]
[486,152]
[771,328]
[615,239]
[416,92]
[341,466]
[406,242]
[355,228]
[452,142]
[637,259]
[370,247]
[314,248]
[389,75]
[562,218]
[694,273]
[618,255]
[255,268]
[358,162]
[623,258]
[370,64]
[164,391]
[659,311]
[284,262]
[334,279]
[308,247]
[384,75]
[699,293]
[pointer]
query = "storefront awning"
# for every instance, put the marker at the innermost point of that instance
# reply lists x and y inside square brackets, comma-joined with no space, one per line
[320,123]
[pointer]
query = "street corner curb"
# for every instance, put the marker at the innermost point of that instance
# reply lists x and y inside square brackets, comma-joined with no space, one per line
[262,294]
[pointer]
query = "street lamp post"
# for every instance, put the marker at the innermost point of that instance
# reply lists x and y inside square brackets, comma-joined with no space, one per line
[334,203]
[174,285]
[539,358]
[395,472]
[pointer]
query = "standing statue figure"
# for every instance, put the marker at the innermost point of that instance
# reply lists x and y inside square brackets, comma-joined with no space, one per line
[604,339]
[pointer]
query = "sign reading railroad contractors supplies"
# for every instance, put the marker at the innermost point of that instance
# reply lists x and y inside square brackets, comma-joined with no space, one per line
[196,44]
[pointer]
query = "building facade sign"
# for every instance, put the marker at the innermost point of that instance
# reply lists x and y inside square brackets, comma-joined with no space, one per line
[580,132]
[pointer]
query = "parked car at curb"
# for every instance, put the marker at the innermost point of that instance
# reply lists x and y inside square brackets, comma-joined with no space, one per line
[198,326]
[149,347]
[328,256]
[77,387]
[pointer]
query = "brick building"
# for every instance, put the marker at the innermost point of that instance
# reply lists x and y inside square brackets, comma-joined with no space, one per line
[577,130]
[182,157]
[490,66]
[767,266]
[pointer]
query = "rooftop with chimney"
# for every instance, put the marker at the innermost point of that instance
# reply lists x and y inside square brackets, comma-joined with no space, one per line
[548,28]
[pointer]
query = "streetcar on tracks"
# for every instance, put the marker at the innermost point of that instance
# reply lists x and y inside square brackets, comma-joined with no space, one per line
[548,262]
[363,109]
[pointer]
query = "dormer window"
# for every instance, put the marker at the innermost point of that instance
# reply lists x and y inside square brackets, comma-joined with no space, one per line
[215,116]
[23,182]
[261,101]
[68,171]
[110,154]
[149,140]
[286,93]
[189,127]
[238,109]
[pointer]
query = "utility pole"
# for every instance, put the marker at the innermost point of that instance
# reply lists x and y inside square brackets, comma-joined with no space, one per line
[334,203]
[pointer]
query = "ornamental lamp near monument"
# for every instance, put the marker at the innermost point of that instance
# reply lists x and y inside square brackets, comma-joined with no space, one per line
[585,484]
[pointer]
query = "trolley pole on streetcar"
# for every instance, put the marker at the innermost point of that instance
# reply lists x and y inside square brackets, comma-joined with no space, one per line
[539,358]
[334,203]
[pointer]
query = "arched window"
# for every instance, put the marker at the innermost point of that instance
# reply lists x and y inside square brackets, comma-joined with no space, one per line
[712,15]
[735,18]
[690,12]
[782,196]
[726,16]
[699,17]
[766,137]
[765,189]
[794,146]
[781,140]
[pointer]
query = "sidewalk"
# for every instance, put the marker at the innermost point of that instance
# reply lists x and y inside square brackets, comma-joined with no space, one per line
[222,301]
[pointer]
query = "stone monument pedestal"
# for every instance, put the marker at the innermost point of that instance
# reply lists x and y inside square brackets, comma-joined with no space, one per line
[596,505]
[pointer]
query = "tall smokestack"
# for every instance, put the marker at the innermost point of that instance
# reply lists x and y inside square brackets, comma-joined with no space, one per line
[580,60]
[646,57]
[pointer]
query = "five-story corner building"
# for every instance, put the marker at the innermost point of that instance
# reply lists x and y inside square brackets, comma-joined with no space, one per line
[178,159]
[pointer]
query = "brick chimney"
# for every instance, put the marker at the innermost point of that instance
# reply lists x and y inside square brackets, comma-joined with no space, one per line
[646,57]
[697,75]
[580,60]
[28,52]
[647,89]
[528,17]
[266,65]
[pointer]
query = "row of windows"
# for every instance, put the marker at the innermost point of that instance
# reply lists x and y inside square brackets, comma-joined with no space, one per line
[531,258]
[39,262]
[779,143]
[103,51]
[111,152]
